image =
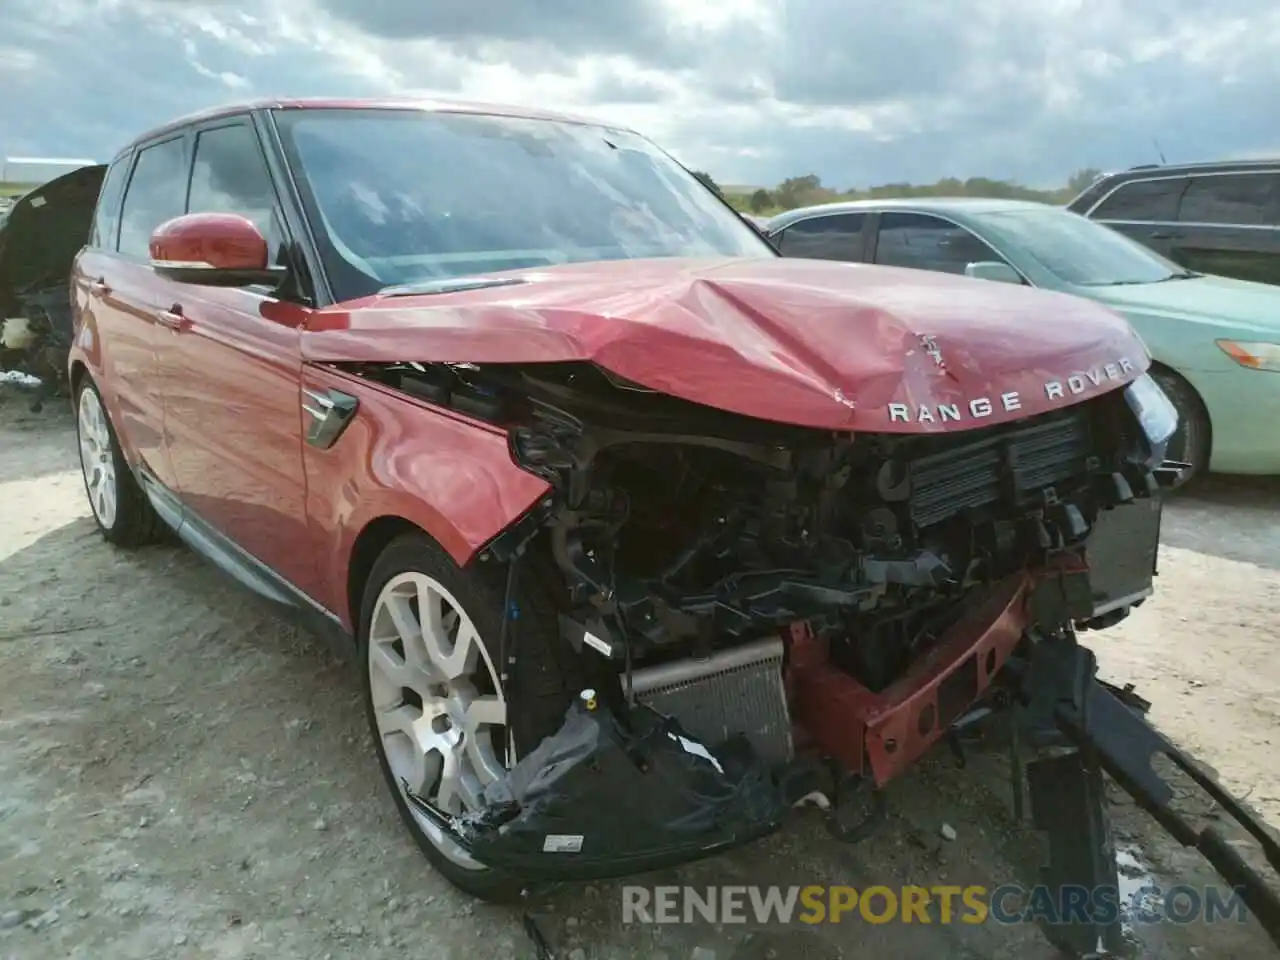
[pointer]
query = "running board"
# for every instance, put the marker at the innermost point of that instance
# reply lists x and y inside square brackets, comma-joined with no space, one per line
[1060,689]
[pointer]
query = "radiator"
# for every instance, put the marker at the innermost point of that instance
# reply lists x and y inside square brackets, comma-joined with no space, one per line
[733,691]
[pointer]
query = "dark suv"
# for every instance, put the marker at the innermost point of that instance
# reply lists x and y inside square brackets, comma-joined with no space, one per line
[1221,218]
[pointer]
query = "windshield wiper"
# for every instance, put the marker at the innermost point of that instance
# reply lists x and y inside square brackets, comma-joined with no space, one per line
[1181,275]
[447,285]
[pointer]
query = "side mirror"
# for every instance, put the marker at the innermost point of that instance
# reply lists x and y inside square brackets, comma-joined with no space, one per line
[214,250]
[992,270]
[760,226]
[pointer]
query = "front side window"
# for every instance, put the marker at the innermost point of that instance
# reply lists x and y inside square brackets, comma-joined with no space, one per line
[925,242]
[1143,200]
[1246,199]
[406,196]
[157,192]
[229,175]
[836,236]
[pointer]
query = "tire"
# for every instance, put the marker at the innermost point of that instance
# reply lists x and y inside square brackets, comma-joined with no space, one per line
[1190,443]
[120,507]
[544,679]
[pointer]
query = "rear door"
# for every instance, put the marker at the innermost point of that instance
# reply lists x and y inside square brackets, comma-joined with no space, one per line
[232,368]
[1145,210]
[121,300]
[1229,224]
[833,236]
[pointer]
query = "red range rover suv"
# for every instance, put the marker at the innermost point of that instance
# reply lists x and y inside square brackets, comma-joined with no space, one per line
[623,516]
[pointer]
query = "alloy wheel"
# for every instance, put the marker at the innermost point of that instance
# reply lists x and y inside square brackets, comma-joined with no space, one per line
[439,709]
[96,458]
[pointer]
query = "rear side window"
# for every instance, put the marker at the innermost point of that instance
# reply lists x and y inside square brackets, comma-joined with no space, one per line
[834,237]
[106,215]
[229,175]
[157,192]
[1154,200]
[1246,199]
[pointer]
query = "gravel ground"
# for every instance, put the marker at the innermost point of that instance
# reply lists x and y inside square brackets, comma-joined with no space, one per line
[184,776]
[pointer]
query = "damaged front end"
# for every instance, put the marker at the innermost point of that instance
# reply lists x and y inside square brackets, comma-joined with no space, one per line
[615,793]
[760,601]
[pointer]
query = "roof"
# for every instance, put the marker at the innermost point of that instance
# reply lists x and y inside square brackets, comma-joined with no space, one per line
[940,205]
[429,105]
[1091,195]
[1199,165]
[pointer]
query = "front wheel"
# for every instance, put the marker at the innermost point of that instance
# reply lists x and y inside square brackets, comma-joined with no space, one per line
[440,718]
[1190,442]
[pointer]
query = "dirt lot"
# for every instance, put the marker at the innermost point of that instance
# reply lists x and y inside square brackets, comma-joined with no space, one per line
[184,776]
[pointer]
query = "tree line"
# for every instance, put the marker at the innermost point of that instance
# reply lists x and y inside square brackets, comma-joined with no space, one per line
[809,189]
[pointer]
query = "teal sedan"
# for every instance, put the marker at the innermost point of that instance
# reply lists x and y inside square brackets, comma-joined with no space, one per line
[1215,341]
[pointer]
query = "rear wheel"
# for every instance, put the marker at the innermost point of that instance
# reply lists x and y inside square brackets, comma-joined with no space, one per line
[1190,442]
[440,718]
[119,505]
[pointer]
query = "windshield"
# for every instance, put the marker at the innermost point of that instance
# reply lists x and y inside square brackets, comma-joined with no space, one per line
[404,197]
[1079,251]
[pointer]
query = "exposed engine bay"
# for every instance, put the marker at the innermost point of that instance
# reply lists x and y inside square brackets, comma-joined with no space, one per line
[682,530]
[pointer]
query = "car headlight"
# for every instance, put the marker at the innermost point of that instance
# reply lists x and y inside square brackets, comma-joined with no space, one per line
[1154,410]
[1255,356]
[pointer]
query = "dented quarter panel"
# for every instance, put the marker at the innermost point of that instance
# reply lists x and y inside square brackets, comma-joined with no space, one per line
[449,475]
[813,343]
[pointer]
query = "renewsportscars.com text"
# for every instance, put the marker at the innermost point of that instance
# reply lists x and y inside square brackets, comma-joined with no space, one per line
[941,903]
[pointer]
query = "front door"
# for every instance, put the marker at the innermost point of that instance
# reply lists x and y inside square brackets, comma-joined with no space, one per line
[1145,211]
[232,367]
[921,241]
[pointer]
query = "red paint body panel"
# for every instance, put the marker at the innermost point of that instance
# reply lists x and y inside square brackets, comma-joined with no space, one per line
[233,423]
[118,303]
[449,475]
[222,240]
[882,734]
[813,343]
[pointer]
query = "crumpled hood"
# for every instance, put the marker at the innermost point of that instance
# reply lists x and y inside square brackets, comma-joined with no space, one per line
[813,343]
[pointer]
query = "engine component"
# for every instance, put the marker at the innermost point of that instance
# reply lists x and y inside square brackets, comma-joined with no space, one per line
[738,690]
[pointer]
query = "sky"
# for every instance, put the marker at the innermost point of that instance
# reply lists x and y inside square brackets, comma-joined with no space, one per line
[860,92]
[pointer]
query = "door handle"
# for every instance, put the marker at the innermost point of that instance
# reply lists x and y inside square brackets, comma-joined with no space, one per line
[1162,235]
[173,318]
[99,287]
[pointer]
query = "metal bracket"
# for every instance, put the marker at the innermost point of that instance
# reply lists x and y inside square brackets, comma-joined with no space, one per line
[1124,745]
[1108,726]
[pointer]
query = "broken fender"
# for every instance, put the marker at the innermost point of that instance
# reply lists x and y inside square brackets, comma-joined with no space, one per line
[607,797]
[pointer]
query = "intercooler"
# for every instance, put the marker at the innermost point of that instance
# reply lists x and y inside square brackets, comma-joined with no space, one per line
[1008,463]
[739,690]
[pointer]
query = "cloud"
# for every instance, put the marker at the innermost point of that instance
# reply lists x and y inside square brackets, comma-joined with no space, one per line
[859,92]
